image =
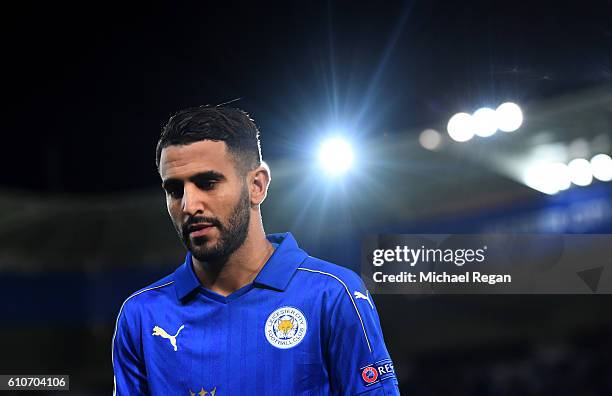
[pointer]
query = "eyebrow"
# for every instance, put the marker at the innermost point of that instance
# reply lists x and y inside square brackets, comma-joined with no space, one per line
[197,178]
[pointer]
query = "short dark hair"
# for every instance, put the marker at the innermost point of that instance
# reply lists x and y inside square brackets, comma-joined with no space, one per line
[217,123]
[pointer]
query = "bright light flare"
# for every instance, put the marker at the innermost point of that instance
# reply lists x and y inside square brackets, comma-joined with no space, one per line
[336,156]
[430,139]
[601,166]
[461,127]
[580,172]
[559,173]
[509,117]
[485,122]
[549,178]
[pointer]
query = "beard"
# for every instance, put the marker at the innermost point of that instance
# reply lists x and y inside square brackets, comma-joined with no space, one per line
[231,235]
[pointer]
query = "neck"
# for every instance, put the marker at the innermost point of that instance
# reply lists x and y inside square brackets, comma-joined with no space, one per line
[237,270]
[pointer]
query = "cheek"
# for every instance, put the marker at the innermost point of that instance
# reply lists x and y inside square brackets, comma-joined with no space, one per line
[217,200]
[173,209]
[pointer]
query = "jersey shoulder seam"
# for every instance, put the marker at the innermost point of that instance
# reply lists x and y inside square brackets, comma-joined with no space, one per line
[365,334]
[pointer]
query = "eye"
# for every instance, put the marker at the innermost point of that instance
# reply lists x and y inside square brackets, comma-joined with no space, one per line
[207,184]
[174,192]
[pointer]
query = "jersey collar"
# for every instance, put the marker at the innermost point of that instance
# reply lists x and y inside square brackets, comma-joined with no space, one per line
[283,263]
[185,279]
[275,274]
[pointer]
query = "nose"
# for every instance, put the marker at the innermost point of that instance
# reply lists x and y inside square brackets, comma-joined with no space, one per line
[193,203]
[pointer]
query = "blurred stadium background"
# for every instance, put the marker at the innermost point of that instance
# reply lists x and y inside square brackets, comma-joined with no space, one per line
[83,222]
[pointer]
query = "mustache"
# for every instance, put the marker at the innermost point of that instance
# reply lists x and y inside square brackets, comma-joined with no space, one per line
[193,220]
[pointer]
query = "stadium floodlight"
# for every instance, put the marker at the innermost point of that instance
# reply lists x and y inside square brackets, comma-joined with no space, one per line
[336,156]
[601,166]
[461,127]
[580,172]
[485,122]
[509,117]
[430,139]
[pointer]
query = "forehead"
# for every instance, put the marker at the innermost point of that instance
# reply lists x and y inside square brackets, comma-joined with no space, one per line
[182,161]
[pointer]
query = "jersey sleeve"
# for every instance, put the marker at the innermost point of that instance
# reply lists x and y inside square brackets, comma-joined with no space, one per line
[128,365]
[357,356]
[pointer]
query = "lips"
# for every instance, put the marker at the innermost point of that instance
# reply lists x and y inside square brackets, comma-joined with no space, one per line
[198,230]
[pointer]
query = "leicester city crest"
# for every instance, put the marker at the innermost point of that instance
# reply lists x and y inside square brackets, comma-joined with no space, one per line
[286,327]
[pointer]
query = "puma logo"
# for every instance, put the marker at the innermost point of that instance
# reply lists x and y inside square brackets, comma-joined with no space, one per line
[158,331]
[364,297]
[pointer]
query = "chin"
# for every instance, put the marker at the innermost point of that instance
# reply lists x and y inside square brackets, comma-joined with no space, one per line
[208,257]
[199,241]
[205,250]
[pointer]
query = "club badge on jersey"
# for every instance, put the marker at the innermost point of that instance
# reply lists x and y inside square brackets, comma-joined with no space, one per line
[286,327]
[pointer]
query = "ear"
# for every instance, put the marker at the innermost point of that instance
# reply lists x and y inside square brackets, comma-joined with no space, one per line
[259,180]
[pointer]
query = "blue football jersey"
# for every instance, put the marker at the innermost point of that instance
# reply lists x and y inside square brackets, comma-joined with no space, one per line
[303,327]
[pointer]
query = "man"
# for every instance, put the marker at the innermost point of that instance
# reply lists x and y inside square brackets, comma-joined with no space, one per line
[246,313]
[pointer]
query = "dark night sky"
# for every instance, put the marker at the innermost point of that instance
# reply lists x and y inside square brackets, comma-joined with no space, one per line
[88,87]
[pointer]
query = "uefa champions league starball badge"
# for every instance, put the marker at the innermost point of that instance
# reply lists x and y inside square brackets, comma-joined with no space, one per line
[286,327]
